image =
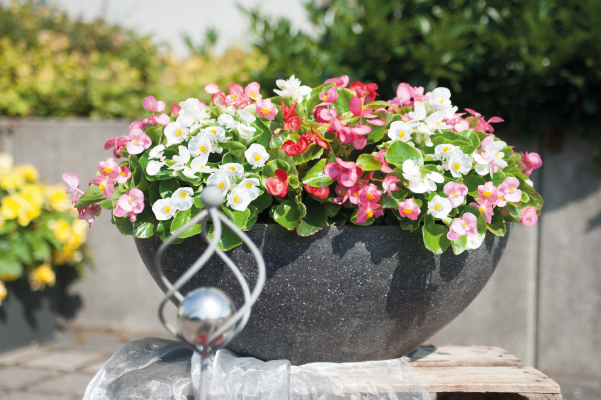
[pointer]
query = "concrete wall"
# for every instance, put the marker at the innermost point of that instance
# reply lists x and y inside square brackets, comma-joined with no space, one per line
[542,304]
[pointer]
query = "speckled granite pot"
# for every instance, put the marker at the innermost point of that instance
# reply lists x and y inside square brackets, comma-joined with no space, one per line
[347,293]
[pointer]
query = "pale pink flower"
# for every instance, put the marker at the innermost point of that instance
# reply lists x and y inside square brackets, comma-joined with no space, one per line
[105,184]
[237,97]
[456,192]
[132,126]
[89,213]
[151,104]
[329,97]
[340,82]
[124,175]
[72,181]
[368,210]
[508,190]
[370,194]
[484,125]
[118,143]
[109,168]
[342,193]
[485,208]
[529,216]
[345,172]
[130,203]
[252,91]
[385,168]
[139,142]
[489,192]
[530,162]
[175,109]
[389,184]
[218,97]
[466,225]
[409,209]
[266,109]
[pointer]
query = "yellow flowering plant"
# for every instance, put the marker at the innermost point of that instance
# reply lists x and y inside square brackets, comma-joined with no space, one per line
[39,230]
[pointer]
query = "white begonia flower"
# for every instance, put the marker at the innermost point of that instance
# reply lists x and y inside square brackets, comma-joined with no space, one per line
[418,113]
[239,198]
[215,134]
[228,121]
[435,121]
[199,164]
[246,116]
[192,104]
[154,167]
[189,172]
[474,242]
[492,157]
[423,134]
[220,180]
[400,130]
[292,88]
[232,170]
[182,198]
[156,152]
[190,116]
[409,168]
[199,146]
[246,132]
[256,155]
[164,209]
[181,160]
[176,132]
[439,207]
[459,164]
[440,98]
[443,152]
[417,184]
[251,185]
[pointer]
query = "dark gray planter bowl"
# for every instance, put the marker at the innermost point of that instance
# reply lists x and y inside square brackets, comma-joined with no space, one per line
[345,294]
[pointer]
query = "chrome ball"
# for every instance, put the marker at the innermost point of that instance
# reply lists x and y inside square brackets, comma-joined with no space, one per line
[202,312]
[211,196]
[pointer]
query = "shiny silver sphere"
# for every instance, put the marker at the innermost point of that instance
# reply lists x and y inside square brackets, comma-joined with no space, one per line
[202,312]
[211,196]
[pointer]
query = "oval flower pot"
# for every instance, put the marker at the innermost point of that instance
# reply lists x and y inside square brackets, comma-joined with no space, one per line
[345,294]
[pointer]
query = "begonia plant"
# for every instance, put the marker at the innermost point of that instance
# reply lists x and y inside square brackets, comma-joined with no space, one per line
[312,157]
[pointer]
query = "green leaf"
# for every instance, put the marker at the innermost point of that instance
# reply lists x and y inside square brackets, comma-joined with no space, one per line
[332,209]
[343,102]
[154,192]
[497,224]
[263,135]
[167,187]
[513,170]
[338,219]
[236,149]
[8,227]
[10,268]
[376,134]
[534,199]
[369,162]
[228,239]
[293,181]
[459,245]
[20,250]
[252,219]
[314,99]
[316,177]
[435,236]
[237,217]
[472,182]
[453,138]
[475,139]
[278,140]
[314,220]
[155,133]
[279,154]
[124,225]
[107,204]
[374,105]
[313,151]
[399,152]
[288,213]
[262,202]
[92,196]
[182,218]
[40,248]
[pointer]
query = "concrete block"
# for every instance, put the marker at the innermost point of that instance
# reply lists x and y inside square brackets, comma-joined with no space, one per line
[570,264]
[21,355]
[73,385]
[15,378]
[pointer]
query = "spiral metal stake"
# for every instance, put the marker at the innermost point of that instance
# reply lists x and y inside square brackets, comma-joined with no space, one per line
[206,316]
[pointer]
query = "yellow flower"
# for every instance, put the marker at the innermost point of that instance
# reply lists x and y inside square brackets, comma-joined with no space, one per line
[28,213]
[11,181]
[61,229]
[34,194]
[80,233]
[59,200]
[27,171]
[11,206]
[41,276]
[3,292]
[6,163]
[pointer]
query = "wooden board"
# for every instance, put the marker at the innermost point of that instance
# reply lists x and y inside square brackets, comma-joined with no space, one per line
[463,356]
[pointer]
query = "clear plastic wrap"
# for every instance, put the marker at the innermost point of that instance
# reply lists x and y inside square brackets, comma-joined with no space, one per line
[158,369]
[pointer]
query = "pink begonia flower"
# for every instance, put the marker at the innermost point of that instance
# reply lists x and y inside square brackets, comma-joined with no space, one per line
[252,90]
[389,184]
[353,194]
[72,181]
[237,97]
[368,210]
[266,110]
[466,225]
[404,94]
[327,115]
[342,193]
[124,175]
[485,208]
[139,142]
[130,203]
[508,190]
[345,172]
[350,135]
[530,162]
[529,216]
[409,209]
[118,143]
[132,126]
[340,82]
[151,104]
[329,97]
[484,125]
[385,168]
[89,213]
[161,119]
[489,192]
[175,109]
[109,168]
[105,184]
[456,192]
[356,107]
[370,194]
[218,97]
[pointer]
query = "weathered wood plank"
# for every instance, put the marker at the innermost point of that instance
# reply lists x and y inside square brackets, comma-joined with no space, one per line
[463,356]
[486,379]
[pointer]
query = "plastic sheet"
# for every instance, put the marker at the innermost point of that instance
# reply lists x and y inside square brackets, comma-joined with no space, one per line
[158,369]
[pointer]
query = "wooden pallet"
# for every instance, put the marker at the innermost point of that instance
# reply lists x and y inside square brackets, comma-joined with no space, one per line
[480,372]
